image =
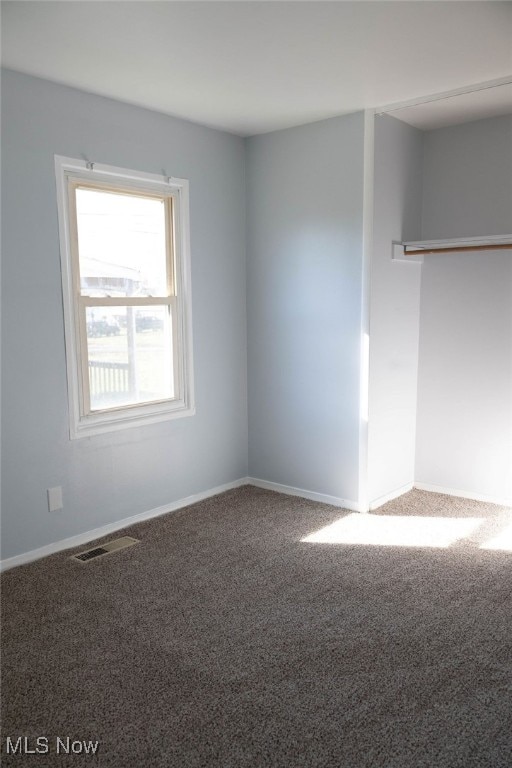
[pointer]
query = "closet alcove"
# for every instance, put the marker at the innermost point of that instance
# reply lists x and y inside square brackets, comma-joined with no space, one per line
[440,390]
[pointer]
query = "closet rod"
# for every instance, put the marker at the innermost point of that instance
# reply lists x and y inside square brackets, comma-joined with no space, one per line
[457,249]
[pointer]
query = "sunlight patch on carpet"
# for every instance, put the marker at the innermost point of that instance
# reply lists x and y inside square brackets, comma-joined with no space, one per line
[399,531]
[502,541]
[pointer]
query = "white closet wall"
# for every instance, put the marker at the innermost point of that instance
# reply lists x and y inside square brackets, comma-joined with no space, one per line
[464,426]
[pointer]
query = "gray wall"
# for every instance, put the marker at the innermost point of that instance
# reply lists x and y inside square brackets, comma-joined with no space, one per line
[394,308]
[109,477]
[468,180]
[464,427]
[305,207]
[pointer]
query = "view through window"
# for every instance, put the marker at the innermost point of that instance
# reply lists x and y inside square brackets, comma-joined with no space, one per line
[124,253]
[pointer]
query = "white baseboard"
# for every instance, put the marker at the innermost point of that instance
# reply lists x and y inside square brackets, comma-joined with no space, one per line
[335,501]
[464,494]
[376,503]
[353,506]
[105,530]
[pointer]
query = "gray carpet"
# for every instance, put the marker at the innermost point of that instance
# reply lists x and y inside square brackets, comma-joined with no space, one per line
[223,640]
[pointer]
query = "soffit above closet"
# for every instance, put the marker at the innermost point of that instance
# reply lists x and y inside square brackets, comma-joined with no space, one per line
[442,112]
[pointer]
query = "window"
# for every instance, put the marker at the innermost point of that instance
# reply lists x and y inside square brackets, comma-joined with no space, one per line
[126,283]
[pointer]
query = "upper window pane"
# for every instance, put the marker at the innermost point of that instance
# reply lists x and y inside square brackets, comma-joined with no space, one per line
[122,244]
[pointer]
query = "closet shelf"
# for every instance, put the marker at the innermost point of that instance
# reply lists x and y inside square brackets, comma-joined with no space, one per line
[454,245]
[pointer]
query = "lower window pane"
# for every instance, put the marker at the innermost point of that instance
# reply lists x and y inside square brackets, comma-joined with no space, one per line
[130,356]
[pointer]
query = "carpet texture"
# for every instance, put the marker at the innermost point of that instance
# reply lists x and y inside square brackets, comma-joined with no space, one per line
[224,640]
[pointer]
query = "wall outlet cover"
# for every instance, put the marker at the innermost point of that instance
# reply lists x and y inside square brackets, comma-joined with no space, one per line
[55,498]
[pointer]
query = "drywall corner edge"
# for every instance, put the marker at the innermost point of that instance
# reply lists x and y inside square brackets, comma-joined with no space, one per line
[364,366]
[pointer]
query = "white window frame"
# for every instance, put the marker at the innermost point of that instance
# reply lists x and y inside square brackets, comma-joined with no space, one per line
[68,171]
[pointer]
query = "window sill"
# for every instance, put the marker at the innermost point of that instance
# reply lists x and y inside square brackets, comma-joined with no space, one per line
[101,423]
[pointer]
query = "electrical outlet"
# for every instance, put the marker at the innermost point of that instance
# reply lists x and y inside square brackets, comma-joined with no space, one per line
[55,498]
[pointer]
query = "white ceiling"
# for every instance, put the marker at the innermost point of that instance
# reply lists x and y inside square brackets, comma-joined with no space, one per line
[252,67]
